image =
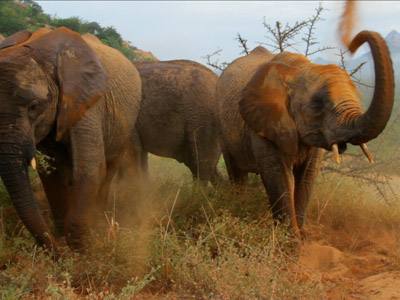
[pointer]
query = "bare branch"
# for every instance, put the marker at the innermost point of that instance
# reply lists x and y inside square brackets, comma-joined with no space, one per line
[243,44]
[215,64]
[353,72]
[374,175]
[320,50]
[342,59]
[358,68]
[309,38]
[283,38]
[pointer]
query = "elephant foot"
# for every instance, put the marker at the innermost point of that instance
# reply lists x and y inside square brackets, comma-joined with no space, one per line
[75,234]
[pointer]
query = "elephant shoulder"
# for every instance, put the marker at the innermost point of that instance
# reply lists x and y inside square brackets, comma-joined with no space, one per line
[236,75]
[124,82]
[291,59]
[90,38]
[260,51]
[113,60]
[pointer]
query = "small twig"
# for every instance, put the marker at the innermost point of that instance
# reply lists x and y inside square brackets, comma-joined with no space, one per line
[215,64]
[212,230]
[170,215]
[243,44]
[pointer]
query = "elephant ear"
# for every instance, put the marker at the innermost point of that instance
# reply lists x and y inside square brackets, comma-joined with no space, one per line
[264,105]
[15,39]
[78,71]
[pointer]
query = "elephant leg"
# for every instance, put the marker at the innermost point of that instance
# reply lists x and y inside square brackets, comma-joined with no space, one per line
[279,182]
[278,179]
[89,173]
[56,183]
[217,178]
[237,176]
[104,191]
[203,170]
[209,158]
[305,176]
[190,157]
[138,161]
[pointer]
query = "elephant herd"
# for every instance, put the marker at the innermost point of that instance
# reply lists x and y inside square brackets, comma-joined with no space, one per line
[88,107]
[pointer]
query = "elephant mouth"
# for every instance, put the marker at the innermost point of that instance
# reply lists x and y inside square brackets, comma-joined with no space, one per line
[337,149]
[342,146]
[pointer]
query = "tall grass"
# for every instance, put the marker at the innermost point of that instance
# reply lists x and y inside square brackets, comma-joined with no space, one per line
[180,239]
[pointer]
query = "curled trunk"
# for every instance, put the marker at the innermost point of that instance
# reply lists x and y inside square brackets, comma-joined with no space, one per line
[370,124]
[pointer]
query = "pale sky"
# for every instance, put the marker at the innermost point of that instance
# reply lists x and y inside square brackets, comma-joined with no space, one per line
[193,29]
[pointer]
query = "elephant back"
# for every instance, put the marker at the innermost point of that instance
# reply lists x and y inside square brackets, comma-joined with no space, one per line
[178,97]
[229,86]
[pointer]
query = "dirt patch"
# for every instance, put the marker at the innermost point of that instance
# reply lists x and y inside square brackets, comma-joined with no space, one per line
[315,257]
[383,286]
[364,271]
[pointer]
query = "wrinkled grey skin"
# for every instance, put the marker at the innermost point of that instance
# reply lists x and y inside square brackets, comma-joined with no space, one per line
[177,117]
[85,153]
[322,107]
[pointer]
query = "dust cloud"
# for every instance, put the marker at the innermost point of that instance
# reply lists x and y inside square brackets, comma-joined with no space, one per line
[348,22]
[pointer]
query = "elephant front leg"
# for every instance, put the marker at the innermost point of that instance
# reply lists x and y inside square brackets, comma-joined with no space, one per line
[278,179]
[279,183]
[305,176]
[55,180]
[80,215]
[89,171]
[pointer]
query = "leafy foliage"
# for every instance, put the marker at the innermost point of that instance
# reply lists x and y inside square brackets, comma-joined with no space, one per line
[27,14]
[12,18]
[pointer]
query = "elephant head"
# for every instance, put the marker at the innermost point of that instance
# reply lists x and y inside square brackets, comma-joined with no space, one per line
[47,82]
[290,101]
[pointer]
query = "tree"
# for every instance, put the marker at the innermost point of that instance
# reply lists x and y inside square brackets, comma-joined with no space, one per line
[309,38]
[12,18]
[34,8]
[281,38]
[73,23]
[91,27]
[27,14]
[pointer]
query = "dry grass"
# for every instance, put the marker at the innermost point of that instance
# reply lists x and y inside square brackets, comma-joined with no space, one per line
[177,239]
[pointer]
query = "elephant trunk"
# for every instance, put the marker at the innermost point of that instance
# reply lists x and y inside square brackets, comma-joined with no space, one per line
[15,176]
[369,125]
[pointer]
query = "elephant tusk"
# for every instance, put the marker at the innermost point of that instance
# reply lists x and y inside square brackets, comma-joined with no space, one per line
[33,163]
[335,150]
[367,153]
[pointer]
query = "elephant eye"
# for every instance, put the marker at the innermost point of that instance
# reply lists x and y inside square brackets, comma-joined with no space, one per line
[32,109]
[318,100]
[317,105]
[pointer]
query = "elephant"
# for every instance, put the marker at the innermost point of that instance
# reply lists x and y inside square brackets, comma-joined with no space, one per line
[75,100]
[279,112]
[177,118]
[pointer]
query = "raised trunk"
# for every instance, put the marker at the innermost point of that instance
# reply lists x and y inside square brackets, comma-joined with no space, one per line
[14,174]
[370,124]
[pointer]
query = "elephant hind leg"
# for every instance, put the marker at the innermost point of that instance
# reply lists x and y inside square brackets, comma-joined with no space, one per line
[136,163]
[217,178]
[237,176]
[205,170]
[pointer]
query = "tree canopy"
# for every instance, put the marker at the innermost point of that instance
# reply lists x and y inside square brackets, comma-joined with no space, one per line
[27,14]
